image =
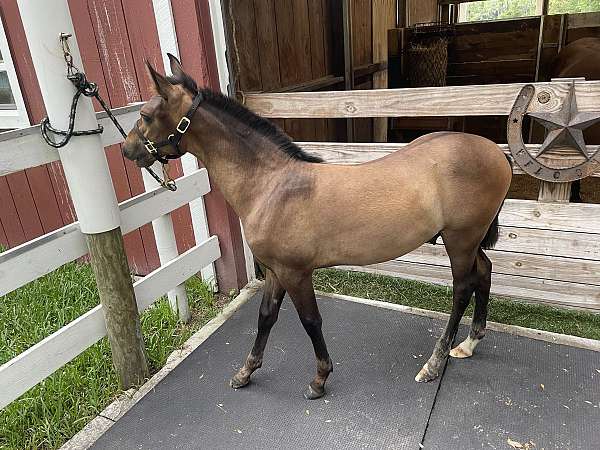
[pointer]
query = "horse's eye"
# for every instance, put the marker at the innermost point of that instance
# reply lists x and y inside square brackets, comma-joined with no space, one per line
[146,119]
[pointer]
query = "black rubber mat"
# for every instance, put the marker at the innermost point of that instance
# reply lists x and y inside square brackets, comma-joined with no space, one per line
[372,399]
[528,391]
[519,389]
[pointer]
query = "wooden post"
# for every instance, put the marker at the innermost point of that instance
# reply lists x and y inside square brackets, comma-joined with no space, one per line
[90,184]
[109,262]
[554,192]
[348,59]
[384,18]
[164,234]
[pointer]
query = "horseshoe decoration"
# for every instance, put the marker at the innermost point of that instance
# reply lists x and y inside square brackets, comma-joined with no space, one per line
[564,127]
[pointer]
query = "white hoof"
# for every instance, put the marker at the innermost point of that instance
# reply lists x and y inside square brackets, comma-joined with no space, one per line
[425,375]
[465,348]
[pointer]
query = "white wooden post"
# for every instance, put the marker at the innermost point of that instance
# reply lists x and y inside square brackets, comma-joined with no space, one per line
[164,234]
[86,170]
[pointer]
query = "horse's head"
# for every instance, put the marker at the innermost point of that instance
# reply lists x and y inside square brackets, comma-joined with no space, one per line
[159,133]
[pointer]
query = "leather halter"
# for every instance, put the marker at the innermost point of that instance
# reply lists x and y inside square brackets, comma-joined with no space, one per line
[174,139]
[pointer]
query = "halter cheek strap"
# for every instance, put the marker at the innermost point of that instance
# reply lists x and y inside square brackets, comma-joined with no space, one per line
[174,139]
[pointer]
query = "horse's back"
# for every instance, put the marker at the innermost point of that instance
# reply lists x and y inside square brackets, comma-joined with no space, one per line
[394,204]
[579,59]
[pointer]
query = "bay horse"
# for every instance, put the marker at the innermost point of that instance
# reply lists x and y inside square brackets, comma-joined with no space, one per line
[299,214]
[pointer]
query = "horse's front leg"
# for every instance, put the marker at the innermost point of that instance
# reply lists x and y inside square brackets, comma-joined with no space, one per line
[269,311]
[300,288]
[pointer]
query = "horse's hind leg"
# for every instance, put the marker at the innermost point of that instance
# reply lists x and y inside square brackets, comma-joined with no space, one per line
[300,288]
[462,261]
[269,311]
[482,297]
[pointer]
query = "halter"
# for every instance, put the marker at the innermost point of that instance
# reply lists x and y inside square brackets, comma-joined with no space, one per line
[173,139]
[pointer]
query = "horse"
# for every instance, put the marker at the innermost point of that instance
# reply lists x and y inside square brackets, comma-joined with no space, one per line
[300,214]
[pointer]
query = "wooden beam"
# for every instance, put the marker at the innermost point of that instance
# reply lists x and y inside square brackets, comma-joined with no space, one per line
[538,290]
[356,153]
[483,100]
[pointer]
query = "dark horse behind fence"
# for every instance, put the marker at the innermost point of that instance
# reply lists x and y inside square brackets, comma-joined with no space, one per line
[299,215]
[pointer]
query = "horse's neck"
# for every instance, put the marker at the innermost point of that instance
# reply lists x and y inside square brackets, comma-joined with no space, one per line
[241,163]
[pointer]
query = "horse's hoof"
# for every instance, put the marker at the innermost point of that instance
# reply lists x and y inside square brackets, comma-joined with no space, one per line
[237,383]
[312,394]
[465,348]
[425,375]
[460,353]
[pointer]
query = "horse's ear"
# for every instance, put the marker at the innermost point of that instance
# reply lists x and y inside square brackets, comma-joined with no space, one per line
[176,68]
[161,84]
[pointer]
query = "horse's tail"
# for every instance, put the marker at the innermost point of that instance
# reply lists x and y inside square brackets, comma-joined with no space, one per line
[491,237]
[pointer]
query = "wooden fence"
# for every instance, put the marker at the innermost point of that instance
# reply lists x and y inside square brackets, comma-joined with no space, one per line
[25,148]
[548,252]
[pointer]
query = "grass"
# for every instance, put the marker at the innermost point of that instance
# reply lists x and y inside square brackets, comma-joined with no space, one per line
[57,408]
[439,298]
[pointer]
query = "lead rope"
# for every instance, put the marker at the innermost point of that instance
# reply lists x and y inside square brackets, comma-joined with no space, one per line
[89,89]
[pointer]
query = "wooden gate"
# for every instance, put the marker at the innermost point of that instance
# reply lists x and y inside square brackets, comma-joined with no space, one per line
[548,252]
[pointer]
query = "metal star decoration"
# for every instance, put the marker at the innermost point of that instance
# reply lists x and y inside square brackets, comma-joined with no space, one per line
[566,126]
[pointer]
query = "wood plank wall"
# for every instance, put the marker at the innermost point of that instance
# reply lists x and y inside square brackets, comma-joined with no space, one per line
[278,44]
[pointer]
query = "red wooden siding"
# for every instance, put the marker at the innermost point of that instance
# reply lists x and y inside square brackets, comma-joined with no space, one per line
[29,199]
[115,38]
[36,201]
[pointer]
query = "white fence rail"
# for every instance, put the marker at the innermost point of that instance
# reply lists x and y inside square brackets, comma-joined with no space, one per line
[25,148]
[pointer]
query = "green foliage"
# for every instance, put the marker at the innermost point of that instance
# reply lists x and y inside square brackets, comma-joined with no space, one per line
[508,9]
[573,6]
[57,408]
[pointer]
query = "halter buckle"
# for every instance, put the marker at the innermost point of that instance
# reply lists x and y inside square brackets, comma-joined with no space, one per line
[183,125]
[149,145]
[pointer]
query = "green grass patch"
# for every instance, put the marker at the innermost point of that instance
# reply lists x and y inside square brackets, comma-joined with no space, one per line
[439,298]
[57,408]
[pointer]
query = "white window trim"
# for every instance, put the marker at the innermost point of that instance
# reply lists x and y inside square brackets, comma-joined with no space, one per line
[11,118]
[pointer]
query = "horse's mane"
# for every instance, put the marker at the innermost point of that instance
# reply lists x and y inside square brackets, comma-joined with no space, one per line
[238,111]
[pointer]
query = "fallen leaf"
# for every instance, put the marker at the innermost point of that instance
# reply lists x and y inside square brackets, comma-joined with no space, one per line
[542,386]
[514,444]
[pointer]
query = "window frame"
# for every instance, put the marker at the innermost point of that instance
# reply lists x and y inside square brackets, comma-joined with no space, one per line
[11,118]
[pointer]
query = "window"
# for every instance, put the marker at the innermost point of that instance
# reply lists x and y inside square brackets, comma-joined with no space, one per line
[573,6]
[511,9]
[496,10]
[12,108]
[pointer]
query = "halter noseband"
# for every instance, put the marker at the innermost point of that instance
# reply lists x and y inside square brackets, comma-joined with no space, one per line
[174,139]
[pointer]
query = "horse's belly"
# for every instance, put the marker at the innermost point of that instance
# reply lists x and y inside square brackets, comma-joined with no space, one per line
[378,244]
